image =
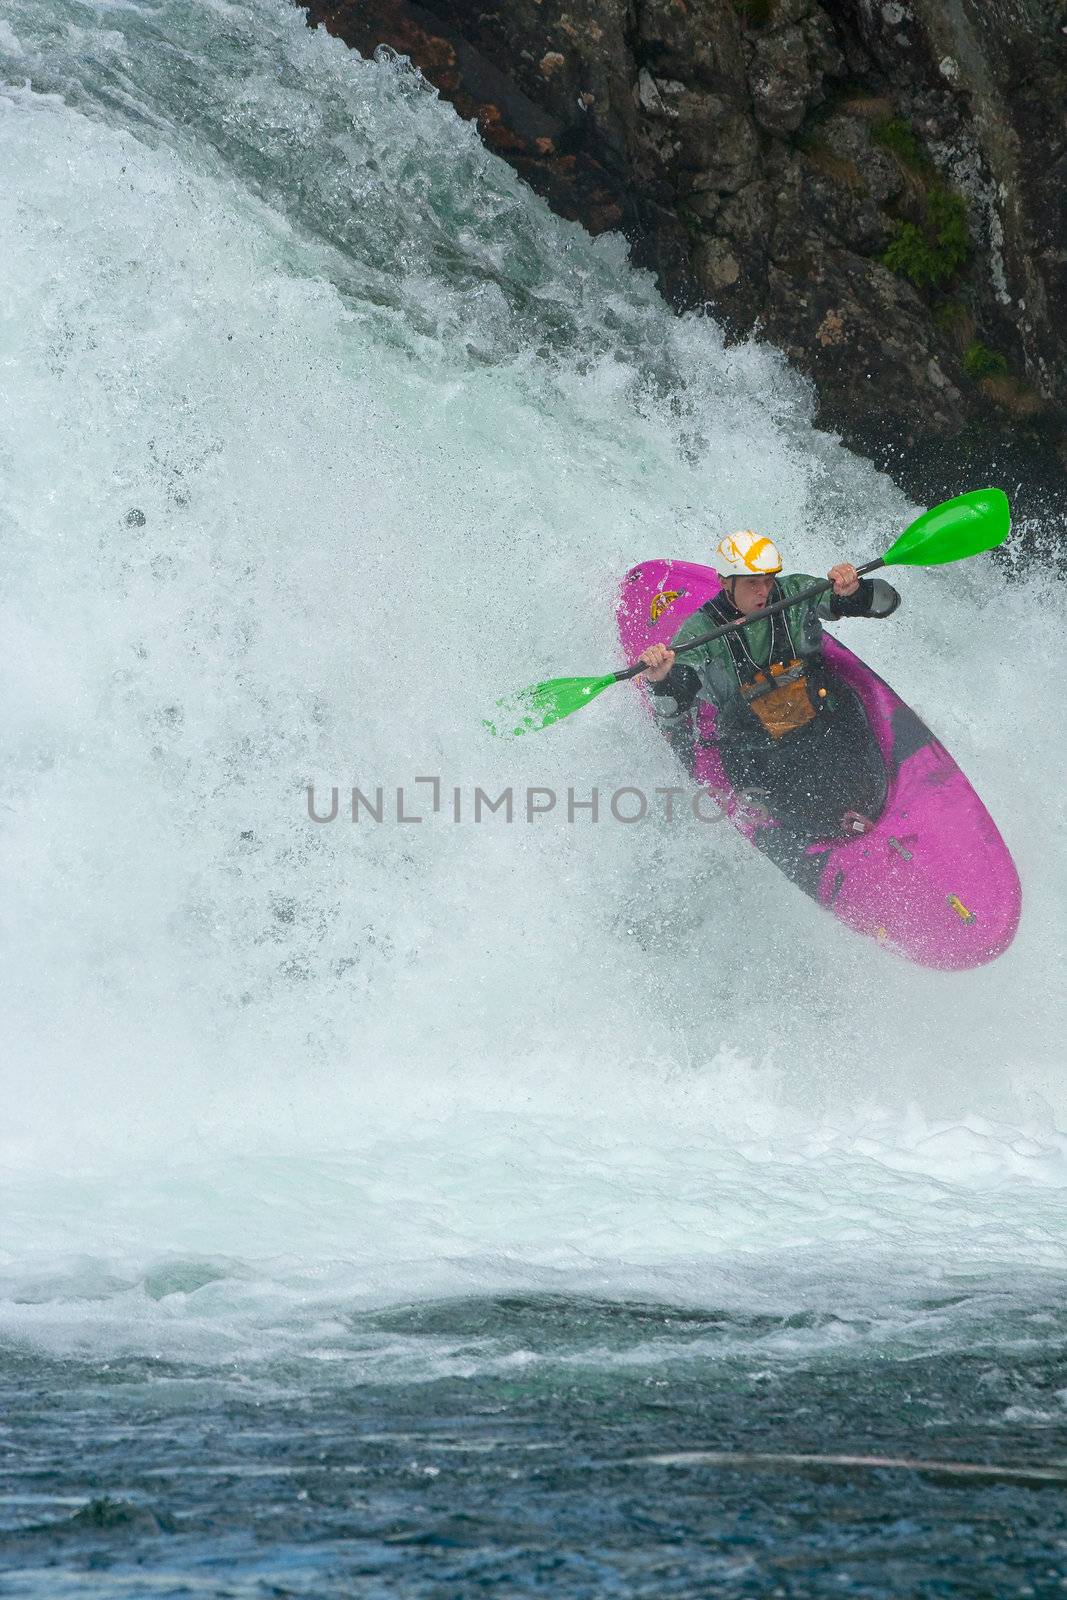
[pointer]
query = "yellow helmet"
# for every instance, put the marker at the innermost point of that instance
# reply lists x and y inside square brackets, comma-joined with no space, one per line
[746,555]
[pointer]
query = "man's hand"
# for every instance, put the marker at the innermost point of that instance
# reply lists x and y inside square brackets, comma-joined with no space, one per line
[845,579]
[659,661]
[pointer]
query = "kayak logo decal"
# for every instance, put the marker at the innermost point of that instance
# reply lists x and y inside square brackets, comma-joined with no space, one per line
[959,908]
[663,601]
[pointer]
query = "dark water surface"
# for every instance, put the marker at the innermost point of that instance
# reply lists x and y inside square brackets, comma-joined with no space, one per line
[141,1477]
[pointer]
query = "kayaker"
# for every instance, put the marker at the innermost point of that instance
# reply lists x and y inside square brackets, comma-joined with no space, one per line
[792,735]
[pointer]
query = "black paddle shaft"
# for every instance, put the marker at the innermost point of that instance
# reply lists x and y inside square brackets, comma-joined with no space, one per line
[743,622]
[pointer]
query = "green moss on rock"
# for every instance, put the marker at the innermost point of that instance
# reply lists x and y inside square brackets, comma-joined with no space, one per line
[950,315]
[930,252]
[981,362]
[899,137]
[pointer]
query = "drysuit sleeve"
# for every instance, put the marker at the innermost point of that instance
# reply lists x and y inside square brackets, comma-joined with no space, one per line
[677,692]
[873,598]
[673,702]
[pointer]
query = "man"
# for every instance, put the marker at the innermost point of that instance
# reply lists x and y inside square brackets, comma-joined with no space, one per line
[790,733]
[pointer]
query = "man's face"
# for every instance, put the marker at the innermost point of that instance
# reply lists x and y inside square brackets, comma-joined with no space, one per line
[751,594]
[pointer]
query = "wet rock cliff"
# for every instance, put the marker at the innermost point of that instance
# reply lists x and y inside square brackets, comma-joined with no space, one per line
[875,186]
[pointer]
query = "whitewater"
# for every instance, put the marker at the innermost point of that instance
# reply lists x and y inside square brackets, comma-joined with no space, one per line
[320,432]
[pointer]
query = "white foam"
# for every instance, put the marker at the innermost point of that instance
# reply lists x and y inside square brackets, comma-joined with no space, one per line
[324,433]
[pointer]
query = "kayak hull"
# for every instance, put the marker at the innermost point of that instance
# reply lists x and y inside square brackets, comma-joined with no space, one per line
[933,880]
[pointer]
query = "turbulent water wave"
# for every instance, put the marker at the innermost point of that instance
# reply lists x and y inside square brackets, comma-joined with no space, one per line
[322,433]
[802,1240]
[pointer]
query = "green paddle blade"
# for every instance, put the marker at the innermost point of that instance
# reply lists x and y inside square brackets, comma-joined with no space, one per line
[529,710]
[962,527]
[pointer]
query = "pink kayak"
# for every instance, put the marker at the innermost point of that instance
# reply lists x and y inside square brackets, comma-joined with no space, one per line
[933,880]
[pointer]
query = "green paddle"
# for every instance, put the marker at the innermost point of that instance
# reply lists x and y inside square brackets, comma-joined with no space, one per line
[961,527]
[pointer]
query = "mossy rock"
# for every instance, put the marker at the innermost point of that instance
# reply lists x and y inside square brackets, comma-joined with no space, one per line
[952,315]
[930,253]
[981,362]
[900,138]
[954,319]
